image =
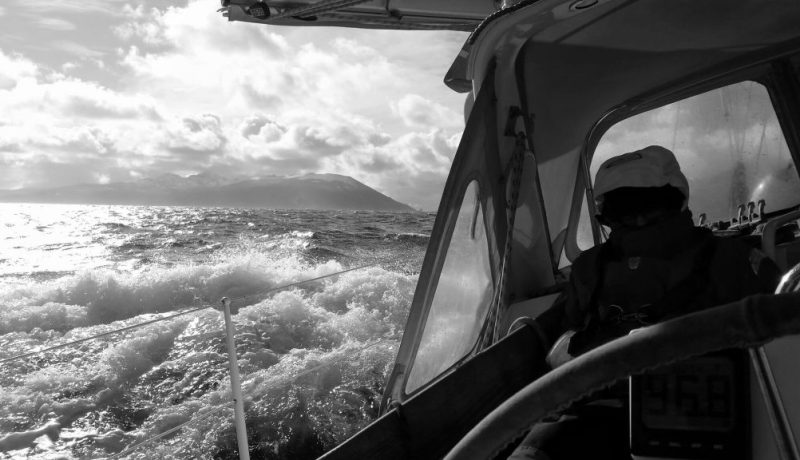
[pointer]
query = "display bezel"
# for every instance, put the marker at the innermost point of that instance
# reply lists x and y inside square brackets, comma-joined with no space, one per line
[652,436]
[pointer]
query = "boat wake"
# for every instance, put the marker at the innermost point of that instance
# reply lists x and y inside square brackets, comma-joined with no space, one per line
[313,357]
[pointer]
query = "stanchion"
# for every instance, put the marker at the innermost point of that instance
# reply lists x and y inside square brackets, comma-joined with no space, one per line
[236,385]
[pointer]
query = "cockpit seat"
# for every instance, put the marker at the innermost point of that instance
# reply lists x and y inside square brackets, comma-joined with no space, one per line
[780,240]
[530,308]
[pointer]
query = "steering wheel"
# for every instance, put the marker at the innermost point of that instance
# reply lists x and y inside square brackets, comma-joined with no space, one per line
[749,322]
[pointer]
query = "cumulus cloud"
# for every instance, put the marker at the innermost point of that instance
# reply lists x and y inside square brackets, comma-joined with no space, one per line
[202,134]
[31,92]
[145,25]
[263,127]
[418,112]
[14,69]
[187,91]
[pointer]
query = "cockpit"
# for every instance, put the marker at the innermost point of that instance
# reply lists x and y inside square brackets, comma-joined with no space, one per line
[554,89]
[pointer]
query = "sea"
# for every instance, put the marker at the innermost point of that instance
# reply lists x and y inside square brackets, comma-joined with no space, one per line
[320,299]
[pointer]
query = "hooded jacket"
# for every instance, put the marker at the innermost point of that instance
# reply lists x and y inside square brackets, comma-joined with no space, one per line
[643,276]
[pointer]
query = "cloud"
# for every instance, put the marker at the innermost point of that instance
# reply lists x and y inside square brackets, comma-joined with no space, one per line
[76,49]
[14,69]
[412,168]
[262,127]
[184,91]
[10,147]
[418,112]
[38,95]
[202,134]
[112,7]
[55,24]
[141,24]
[91,101]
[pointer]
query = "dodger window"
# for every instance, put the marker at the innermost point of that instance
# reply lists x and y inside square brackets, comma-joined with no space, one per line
[462,296]
[728,142]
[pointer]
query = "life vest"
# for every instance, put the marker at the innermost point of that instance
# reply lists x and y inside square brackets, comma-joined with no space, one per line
[626,292]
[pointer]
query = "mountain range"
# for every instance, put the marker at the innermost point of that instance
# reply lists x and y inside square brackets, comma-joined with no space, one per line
[312,191]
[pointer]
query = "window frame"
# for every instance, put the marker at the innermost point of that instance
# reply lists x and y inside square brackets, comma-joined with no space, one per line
[468,179]
[787,110]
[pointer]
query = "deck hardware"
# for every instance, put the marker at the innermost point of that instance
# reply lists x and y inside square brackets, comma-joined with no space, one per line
[259,10]
[779,420]
[514,113]
[236,384]
[582,5]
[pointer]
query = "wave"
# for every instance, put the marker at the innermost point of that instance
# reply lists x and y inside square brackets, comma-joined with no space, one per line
[101,296]
[313,357]
[313,360]
[414,238]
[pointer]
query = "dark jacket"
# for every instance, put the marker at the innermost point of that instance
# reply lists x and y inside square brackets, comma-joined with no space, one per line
[650,275]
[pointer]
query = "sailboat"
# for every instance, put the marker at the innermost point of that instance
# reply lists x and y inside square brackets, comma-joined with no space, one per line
[553,87]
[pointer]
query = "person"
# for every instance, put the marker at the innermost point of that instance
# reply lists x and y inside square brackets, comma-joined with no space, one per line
[655,265]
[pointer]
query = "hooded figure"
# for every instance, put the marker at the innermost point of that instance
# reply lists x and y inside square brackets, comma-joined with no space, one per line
[655,265]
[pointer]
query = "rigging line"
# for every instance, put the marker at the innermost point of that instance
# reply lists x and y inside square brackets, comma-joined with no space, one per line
[104,334]
[286,286]
[399,24]
[136,446]
[318,7]
[165,318]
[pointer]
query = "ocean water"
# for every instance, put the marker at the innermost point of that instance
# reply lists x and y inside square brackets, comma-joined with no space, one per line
[313,357]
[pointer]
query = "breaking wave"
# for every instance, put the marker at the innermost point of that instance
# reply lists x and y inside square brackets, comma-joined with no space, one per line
[313,357]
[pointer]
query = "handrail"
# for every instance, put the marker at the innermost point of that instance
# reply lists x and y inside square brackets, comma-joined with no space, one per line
[165,318]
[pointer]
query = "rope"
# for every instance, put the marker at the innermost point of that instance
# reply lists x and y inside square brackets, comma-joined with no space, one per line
[491,332]
[174,429]
[399,24]
[318,7]
[193,310]
[328,8]
[286,286]
[104,334]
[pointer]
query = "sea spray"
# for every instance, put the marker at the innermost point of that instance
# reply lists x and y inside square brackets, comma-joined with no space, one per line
[314,358]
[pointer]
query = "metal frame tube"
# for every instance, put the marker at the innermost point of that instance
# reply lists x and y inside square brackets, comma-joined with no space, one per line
[236,384]
[781,427]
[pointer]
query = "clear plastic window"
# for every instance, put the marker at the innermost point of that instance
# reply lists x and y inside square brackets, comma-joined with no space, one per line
[462,296]
[729,145]
[584,235]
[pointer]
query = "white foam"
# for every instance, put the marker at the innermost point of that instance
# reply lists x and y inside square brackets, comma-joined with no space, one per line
[313,348]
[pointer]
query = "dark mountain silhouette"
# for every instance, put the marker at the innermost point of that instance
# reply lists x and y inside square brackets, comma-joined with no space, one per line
[312,191]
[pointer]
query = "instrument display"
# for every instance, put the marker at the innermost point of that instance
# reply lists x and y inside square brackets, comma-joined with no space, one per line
[692,409]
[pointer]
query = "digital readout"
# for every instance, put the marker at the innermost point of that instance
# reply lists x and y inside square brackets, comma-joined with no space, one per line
[693,395]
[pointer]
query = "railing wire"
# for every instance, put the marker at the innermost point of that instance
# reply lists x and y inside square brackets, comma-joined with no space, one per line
[174,429]
[165,318]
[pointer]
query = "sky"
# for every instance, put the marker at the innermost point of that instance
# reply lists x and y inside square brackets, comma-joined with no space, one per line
[98,91]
